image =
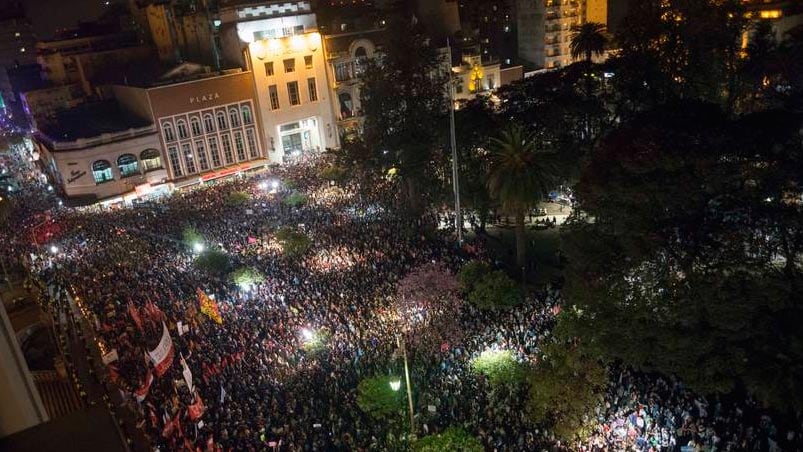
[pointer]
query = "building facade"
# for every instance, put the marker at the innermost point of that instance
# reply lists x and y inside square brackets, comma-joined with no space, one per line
[545,31]
[17,39]
[280,43]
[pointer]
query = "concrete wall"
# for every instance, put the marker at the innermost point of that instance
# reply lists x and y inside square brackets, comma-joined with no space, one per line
[21,406]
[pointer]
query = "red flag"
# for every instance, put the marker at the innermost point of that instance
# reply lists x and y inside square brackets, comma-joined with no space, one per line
[196,410]
[143,390]
[162,355]
[171,425]
[134,312]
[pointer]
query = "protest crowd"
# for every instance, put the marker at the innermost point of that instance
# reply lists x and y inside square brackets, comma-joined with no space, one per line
[257,385]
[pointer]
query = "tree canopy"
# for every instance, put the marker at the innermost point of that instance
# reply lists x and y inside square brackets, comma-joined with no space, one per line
[453,439]
[376,398]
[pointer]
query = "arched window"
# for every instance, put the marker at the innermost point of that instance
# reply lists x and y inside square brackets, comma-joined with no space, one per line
[246,114]
[209,123]
[128,165]
[195,125]
[102,171]
[221,121]
[181,125]
[360,52]
[167,128]
[346,105]
[234,117]
[151,159]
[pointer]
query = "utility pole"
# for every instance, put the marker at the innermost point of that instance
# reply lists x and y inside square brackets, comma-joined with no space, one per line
[400,344]
[458,216]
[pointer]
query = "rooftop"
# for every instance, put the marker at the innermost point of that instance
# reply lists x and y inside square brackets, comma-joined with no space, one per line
[90,120]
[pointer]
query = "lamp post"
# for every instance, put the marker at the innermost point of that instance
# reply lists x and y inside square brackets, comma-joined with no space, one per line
[393,385]
[458,216]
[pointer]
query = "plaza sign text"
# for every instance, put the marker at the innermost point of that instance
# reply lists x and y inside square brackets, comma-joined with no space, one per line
[204,98]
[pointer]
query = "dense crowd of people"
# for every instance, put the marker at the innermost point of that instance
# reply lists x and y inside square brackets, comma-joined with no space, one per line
[259,386]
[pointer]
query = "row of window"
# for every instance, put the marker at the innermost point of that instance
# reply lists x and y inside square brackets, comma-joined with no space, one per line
[289,65]
[127,164]
[191,157]
[293,94]
[235,118]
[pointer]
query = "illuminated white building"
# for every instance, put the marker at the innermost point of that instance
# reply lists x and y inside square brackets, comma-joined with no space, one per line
[280,44]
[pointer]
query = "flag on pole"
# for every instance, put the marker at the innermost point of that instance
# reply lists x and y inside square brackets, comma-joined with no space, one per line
[187,373]
[209,307]
[162,355]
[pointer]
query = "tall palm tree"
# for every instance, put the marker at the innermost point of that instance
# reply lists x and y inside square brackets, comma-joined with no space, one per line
[519,174]
[588,40]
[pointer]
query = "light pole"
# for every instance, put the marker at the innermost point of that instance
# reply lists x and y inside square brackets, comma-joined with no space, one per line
[458,216]
[400,344]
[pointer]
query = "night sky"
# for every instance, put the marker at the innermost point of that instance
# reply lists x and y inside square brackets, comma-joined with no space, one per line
[48,15]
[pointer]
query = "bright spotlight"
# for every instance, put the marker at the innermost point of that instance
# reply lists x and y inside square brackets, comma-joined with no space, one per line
[198,247]
[395,384]
[307,334]
[263,185]
[275,184]
[54,249]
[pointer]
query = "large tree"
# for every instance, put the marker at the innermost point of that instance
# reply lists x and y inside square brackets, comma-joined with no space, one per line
[520,173]
[588,40]
[404,100]
[688,259]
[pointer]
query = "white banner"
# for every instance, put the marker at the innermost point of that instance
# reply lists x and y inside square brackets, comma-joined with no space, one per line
[180,327]
[162,355]
[187,374]
[110,357]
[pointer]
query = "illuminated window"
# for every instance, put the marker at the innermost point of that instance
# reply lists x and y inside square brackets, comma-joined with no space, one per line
[246,110]
[771,14]
[290,65]
[292,93]
[128,165]
[151,159]
[214,151]
[102,171]
[269,69]
[308,61]
[273,93]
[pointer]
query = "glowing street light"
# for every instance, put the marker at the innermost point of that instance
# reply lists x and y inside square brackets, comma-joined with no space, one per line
[198,247]
[395,384]
[307,334]
[54,249]
[263,185]
[275,184]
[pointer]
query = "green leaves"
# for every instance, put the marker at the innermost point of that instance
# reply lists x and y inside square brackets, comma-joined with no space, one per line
[237,198]
[213,261]
[376,398]
[296,199]
[471,273]
[499,366]
[496,290]
[453,439]
[246,277]
[293,242]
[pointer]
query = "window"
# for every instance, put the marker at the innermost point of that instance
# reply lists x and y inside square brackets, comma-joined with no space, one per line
[346,105]
[195,125]
[209,123]
[238,143]
[290,65]
[273,93]
[292,93]
[167,129]
[234,117]
[181,125]
[227,149]
[269,69]
[102,171]
[246,110]
[128,165]
[200,149]
[251,140]
[189,161]
[214,151]
[360,52]
[221,121]
[491,82]
[313,89]
[151,159]
[175,164]
[308,61]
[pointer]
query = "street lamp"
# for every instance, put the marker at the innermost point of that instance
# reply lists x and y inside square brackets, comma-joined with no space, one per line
[307,334]
[263,185]
[198,247]
[54,249]
[395,384]
[400,344]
